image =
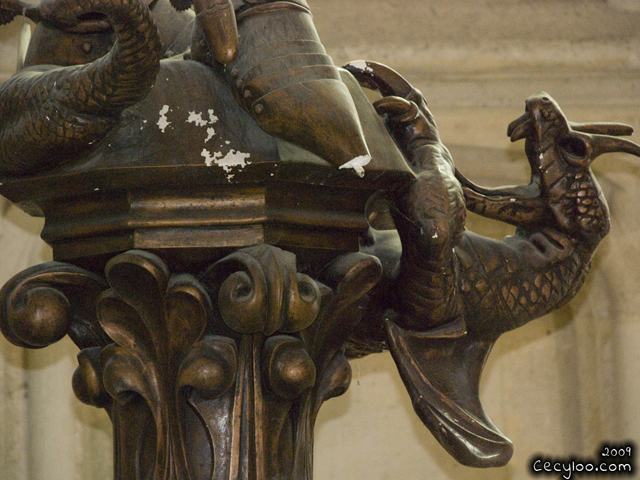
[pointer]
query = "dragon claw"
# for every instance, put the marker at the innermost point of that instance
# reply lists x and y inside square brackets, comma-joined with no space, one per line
[379,77]
[399,109]
[387,81]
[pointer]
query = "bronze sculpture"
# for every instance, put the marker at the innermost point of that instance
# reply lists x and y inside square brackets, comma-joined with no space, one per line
[302,364]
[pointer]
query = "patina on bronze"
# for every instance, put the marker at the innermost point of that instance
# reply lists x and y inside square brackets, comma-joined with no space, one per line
[232,220]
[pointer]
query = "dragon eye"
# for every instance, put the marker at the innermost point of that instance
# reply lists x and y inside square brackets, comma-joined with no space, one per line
[575,148]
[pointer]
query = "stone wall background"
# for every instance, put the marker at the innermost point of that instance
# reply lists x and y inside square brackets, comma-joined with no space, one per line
[560,385]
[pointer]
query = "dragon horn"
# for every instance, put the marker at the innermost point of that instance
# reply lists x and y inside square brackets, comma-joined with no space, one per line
[604,128]
[608,144]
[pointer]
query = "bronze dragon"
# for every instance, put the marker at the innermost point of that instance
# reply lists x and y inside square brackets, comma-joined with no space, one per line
[456,292]
[49,113]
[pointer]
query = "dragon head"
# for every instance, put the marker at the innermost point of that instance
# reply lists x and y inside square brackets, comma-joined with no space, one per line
[545,126]
[560,153]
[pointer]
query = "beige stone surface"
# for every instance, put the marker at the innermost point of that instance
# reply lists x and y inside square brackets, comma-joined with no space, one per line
[560,385]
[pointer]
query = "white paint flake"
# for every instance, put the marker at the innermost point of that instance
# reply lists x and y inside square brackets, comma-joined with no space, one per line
[210,133]
[233,159]
[362,65]
[229,161]
[197,119]
[163,123]
[208,158]
[358,164]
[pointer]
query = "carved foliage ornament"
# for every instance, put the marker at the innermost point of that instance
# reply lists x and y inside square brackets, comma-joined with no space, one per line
[194,388]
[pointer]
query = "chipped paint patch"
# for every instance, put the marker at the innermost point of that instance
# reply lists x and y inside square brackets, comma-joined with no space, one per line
[163,123]
[229,161]
[358,164]
[233,159]
[197,119]
[362,65]
[208,158]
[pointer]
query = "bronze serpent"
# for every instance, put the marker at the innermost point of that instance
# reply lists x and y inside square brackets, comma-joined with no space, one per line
[48,114]
[491,286]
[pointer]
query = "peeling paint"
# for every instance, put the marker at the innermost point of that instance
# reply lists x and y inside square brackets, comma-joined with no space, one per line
[358,164]
[212,118]
[229,161]
[208,158]
[197,119]
[362,65]
[210,133]
[233,159]
[163,123]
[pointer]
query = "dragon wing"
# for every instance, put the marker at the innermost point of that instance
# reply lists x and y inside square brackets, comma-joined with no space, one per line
[442,376]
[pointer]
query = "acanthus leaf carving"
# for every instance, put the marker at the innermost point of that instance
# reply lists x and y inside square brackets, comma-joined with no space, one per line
[44,303]
[258,289]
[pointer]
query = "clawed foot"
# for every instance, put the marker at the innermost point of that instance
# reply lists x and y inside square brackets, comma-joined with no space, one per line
[428,212]
[407,115]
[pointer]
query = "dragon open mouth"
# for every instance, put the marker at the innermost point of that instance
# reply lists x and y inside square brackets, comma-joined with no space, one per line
[522,127]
